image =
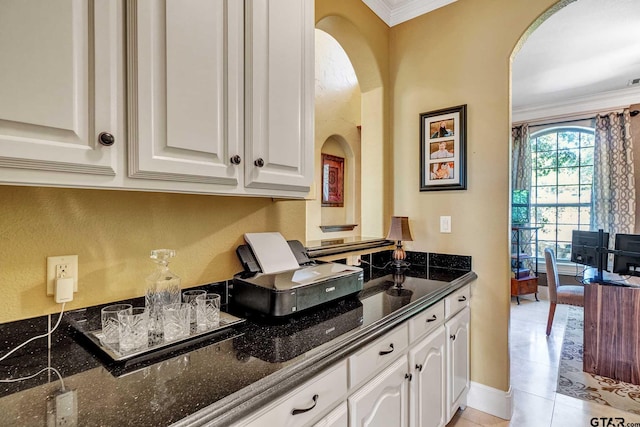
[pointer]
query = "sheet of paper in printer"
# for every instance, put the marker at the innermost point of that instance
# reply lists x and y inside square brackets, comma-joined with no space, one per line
[272,252]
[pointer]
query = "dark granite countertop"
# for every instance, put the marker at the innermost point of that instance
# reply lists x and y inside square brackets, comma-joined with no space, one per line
[215,381]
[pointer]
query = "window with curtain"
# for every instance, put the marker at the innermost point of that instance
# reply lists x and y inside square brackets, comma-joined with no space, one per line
[561,185]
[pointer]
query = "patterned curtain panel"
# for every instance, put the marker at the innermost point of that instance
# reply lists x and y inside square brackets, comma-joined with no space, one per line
[520,180]
[614,194]
[521,158]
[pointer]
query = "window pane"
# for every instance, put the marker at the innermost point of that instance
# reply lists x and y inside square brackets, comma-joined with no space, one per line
[568,158]
[564,251]
[546,159]
[546,195]
[568,140]
[545,142]
[548,232]
[546,215]
[585,194]
[568,215]
[543,244]
[564,232]
[587,139]
[585,215]
[568,194]
[586,156]
[586,175]
[568,176]
[546,177]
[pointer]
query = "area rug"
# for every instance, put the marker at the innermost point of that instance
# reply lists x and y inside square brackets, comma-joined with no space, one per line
[573,382]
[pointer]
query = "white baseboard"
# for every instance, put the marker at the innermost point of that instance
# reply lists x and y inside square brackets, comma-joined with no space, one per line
[491,400]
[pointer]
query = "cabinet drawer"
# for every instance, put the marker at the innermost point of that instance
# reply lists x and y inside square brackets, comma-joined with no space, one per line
[307,402]
[426,321]
[457,301]
[379,353]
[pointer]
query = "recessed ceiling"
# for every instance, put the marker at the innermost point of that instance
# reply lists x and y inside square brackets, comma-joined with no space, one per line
[394,12]
[589,48]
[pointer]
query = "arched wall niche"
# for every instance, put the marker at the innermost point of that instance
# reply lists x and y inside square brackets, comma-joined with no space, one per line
[349,213]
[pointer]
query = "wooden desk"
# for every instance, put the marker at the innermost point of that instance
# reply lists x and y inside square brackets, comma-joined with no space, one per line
[612,331]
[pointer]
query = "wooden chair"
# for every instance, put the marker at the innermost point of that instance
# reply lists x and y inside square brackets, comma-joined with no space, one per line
[559,294]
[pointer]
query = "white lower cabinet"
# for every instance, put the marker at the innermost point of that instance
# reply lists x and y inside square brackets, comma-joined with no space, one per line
[427,361]
[383,401]
[457,331]
[416,375]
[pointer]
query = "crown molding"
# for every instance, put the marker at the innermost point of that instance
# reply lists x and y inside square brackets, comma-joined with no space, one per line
[394,12]
[614,99]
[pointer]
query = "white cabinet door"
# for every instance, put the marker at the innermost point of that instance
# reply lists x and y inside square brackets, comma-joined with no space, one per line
[185,77]
[457,330]
[280,94]
[427,361]
[383,401]
[58,85]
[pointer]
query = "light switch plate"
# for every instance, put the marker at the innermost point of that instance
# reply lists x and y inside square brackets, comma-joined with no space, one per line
[445,224]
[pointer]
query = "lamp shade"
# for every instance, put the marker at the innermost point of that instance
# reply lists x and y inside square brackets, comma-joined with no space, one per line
[399,229]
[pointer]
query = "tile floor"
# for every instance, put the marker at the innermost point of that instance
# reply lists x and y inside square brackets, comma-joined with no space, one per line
[534,374]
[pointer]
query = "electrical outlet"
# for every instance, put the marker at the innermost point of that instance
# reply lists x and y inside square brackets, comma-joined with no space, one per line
[62,409]
[60,267]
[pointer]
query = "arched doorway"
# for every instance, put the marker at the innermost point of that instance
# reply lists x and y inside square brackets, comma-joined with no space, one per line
[365,138]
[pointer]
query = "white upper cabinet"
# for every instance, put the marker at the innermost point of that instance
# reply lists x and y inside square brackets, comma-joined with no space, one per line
[218,95]
[58,91]
[279,68]
[185,76]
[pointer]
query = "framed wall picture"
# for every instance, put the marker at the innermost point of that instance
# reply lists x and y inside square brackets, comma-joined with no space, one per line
[443,136]
[332,181]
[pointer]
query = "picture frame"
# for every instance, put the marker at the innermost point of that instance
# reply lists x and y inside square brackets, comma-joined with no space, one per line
[443,144]
[332,181]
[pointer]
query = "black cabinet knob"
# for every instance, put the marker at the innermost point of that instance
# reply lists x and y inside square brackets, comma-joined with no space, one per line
[259,162]
[236,160]
[106,139]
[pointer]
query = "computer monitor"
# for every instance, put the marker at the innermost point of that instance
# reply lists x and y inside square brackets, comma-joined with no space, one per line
[584,248]
[627,264]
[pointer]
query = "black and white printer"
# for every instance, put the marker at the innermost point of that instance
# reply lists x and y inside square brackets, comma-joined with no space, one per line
[279,279]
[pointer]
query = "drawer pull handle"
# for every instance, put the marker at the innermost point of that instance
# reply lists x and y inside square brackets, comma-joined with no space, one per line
[382,353]
[235,160]
[408,376]
[462,299]
[302,411]
[453,337]
[419,368]
[432,319]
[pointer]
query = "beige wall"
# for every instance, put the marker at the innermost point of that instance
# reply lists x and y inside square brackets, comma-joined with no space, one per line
[456,55]
[112,233]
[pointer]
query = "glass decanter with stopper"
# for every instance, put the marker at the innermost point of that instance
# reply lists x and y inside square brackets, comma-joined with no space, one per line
[163,287]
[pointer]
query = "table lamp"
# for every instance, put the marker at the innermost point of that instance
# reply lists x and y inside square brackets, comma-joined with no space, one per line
[399,231]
